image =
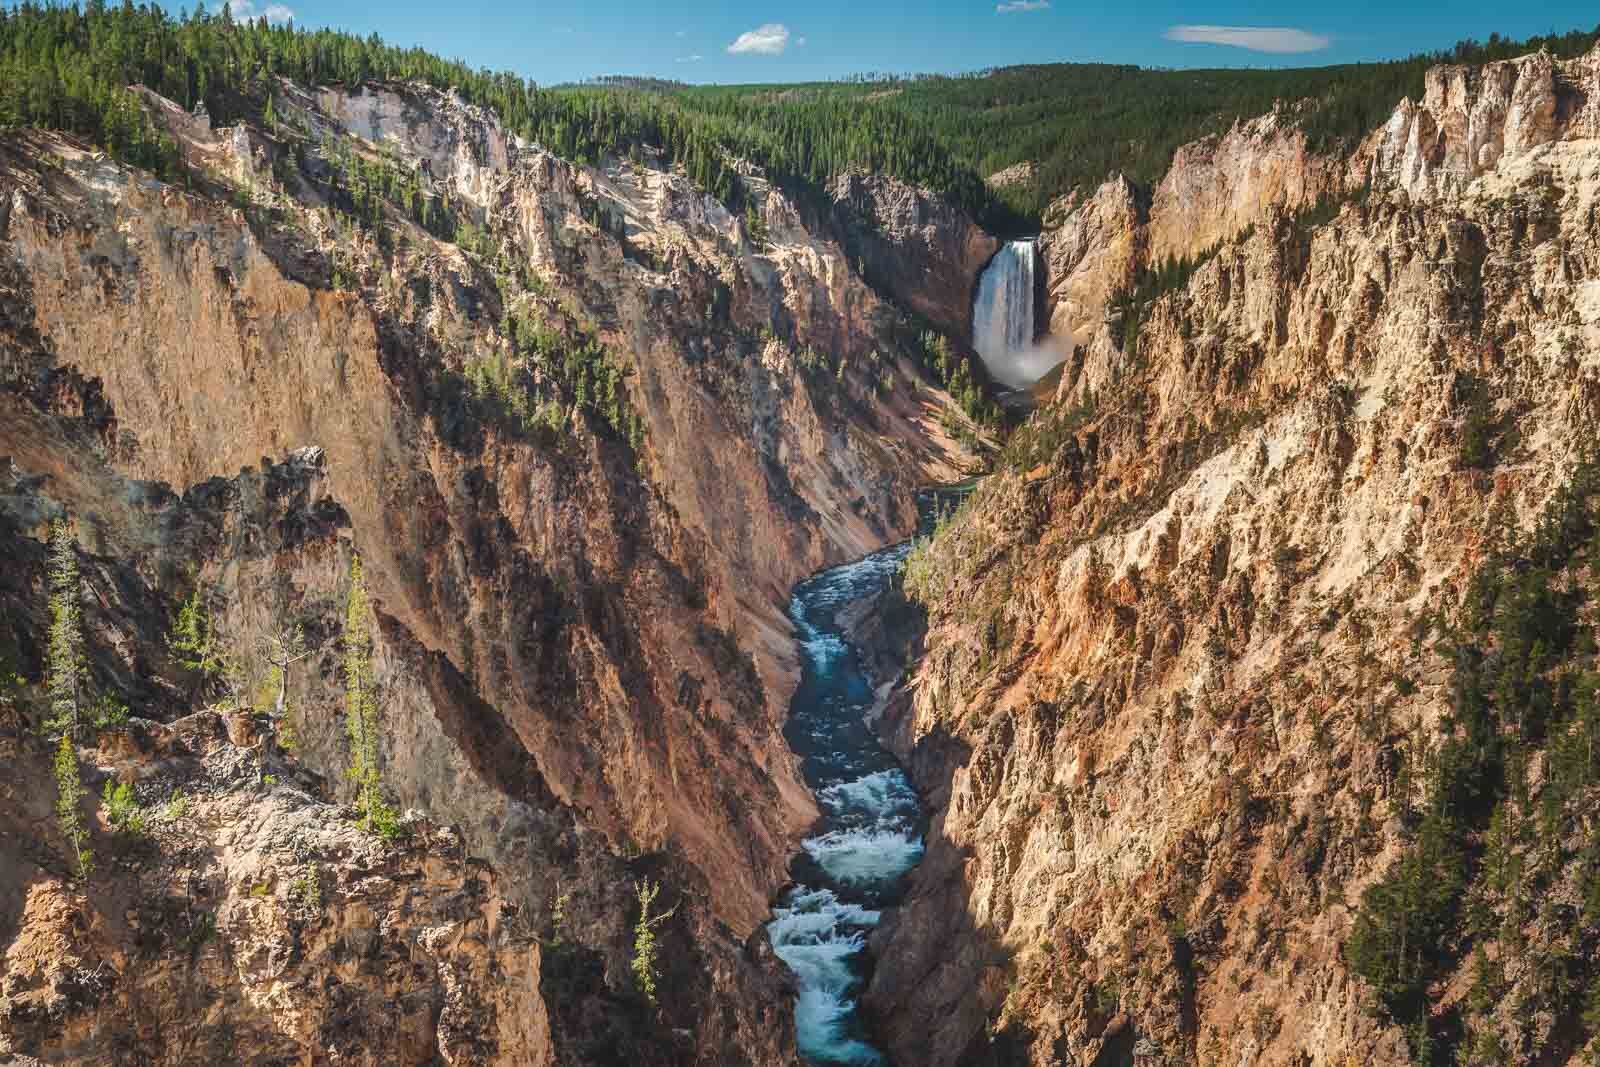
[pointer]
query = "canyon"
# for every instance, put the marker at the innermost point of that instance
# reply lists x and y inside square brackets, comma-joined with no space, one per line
[1146,696]
[581,641]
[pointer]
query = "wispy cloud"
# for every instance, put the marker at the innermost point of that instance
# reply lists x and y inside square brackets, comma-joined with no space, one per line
[681,33]
[1281,40]
[688,59]
[799,42]
[1013,6]
[246,10]
[768,40]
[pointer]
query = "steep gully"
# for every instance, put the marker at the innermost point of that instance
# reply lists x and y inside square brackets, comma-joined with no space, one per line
[871,832]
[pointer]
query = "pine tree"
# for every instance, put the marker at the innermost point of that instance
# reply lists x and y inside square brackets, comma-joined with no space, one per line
[195,644]
[65,669]
[192,640]
[69,794]
[755,226]
[644,939]
[361,709]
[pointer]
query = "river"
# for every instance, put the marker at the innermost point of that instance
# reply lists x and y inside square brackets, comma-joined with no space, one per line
[870,835]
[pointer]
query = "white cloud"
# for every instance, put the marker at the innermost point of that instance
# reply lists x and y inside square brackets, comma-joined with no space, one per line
[1011,6]
[681,33]
[244,10]
[799,42]
[1278,39]
[768,40]
[688,59]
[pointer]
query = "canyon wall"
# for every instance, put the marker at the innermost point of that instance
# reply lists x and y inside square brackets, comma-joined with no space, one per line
[1216,187]
[1181,641]
[582,652]
[922,250]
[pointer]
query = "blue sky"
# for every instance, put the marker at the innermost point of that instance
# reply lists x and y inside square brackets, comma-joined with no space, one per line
[792,40]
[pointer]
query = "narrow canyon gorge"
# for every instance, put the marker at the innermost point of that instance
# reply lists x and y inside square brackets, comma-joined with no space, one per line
[583,650]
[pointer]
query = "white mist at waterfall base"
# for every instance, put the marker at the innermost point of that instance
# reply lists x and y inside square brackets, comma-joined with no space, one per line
[1003,320]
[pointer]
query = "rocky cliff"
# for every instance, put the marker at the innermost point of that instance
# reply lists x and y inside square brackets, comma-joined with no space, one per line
[1090,249]
[1471,121]
[584,428]
[1182,649]
[248,920]
[924,251]
[1220,185]
[1216,187]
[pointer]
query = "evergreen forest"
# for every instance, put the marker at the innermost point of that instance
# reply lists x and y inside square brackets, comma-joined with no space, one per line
[68,67]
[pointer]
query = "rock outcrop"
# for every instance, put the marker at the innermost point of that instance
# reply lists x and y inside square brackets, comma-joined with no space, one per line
[1178,648]
[248,922]
[1216,188]
[923,250]
[1473,121]
[1219,186]
[1090,249]
[1017,174]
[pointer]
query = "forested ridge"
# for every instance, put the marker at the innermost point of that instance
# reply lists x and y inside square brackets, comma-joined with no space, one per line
[67,67]
[1080,122]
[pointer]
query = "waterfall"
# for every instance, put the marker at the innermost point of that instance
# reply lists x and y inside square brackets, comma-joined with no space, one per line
[1002,318]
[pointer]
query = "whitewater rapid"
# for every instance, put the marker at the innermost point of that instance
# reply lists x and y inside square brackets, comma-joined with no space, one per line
[871,830]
